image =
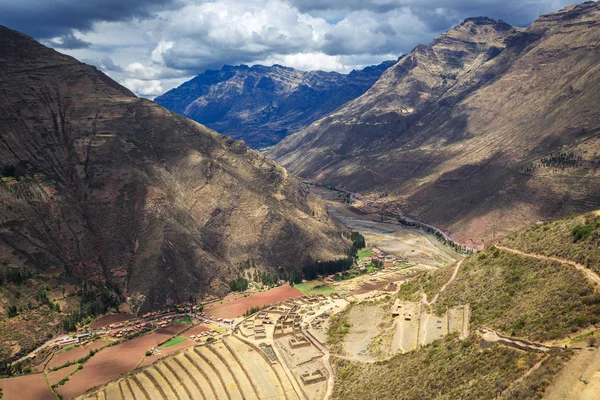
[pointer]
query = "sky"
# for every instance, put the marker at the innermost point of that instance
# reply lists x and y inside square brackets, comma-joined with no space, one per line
[151,46]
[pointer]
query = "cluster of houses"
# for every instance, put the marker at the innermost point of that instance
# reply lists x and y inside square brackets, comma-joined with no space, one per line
[81,339]
[389,260]
[124,329]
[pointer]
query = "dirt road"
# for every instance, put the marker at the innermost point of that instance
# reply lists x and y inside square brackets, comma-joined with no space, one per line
[591,275]
[452,278]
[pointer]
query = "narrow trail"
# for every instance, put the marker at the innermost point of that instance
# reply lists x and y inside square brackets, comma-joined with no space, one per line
[527,373]
[591,275]
[452,278]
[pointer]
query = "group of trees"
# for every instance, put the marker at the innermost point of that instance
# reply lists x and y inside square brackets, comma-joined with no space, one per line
[16,276]
[8,369]
[238,284]
[94,301]
[311,271]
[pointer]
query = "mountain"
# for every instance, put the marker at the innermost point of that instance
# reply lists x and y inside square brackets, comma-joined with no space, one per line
[484,130]
[117,190]
[262,105]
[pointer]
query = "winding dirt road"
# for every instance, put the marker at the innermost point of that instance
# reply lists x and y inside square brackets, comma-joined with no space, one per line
[591,275]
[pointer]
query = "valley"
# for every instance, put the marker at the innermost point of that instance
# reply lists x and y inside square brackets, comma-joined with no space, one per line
[423,228]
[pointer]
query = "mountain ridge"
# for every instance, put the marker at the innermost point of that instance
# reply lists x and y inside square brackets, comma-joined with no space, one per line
[459,133]
[118,190]
[261,104]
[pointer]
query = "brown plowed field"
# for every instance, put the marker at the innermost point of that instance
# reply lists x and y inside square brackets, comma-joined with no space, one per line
[110,319]
[114,361]
[237,308]
[74,354]
[30,387]
[56,376]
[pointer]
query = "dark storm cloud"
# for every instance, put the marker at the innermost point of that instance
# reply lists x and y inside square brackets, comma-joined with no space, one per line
[440,14]
[69,42]
[152,45]
[45,19]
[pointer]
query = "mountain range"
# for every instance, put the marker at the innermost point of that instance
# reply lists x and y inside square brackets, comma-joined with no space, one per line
[488,128]
[117,190]
[262,105]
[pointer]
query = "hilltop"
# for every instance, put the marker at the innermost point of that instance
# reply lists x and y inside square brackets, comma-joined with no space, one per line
[261,105]
[486,129]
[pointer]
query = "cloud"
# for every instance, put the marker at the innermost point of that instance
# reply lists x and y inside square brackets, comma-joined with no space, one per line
[68,42]
[44,19]
[153,45]
[146,88]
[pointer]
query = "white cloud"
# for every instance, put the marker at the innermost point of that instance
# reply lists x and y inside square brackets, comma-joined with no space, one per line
[168,45]
[146,88]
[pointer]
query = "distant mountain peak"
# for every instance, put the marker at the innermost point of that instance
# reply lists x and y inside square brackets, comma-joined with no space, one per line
[263,104]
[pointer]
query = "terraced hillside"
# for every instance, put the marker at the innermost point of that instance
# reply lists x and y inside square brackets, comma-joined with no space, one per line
[230,369]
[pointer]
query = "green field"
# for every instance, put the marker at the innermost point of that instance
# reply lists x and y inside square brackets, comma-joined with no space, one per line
[315,287]
[364,253]
[173,341]
[185,320]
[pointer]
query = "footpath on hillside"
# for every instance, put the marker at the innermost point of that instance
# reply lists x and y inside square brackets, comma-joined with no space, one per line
[591,275]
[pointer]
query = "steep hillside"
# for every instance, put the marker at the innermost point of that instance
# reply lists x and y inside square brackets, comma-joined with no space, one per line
[481,132]
[262,105]
[534,301]
[118,190]
[576,238]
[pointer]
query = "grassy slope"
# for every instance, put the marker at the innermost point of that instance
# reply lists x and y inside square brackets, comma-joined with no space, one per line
[524,297]
[521,296]
[446,369]
[556,239]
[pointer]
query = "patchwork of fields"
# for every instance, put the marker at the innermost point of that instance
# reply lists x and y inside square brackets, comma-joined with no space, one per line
[230,369]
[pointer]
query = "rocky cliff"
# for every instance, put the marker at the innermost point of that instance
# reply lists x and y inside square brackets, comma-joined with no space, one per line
[487,128]
[262,105]
[119,190]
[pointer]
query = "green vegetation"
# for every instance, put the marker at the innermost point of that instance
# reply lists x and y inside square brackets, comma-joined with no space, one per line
[18,368]
[173,341]
[312,271]
[446,369]
[148,353]
[315,287]
[522,296]
[238,284]
[185,320]
[365,253]
[582,232]
[575,238]
[94,301]
[339,327]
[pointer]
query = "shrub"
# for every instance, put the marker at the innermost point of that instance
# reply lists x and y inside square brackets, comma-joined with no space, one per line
[581,232]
